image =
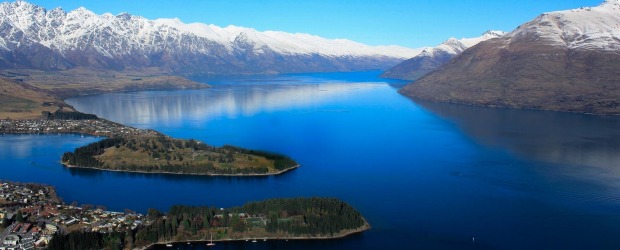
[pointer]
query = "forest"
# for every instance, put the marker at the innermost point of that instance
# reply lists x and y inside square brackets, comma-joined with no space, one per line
[301,218]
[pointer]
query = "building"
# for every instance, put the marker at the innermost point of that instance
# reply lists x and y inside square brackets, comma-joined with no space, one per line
[11,240]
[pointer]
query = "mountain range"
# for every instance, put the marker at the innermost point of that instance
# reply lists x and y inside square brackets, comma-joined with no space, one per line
[563,61]
[32,37]
[431,59]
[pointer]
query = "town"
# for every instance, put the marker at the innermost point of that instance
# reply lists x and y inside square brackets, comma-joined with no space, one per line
[32,214]
[95,127]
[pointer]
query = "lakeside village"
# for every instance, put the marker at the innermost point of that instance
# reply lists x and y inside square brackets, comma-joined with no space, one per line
[31,214]
[95,127]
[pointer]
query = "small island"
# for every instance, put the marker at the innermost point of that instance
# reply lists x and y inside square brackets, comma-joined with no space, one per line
[161,154]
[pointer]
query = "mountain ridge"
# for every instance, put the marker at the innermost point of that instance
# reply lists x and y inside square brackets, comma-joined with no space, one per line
[561,61]
[432,58]
[33,37]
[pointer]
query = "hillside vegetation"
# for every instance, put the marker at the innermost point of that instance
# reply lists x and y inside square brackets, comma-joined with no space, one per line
[162,154]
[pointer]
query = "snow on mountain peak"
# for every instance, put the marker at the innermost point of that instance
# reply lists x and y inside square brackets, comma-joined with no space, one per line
[287,43]
[493,33]
[63,28]
[82,38]
[611,3]
[456,46]
[83,12]
[585,28]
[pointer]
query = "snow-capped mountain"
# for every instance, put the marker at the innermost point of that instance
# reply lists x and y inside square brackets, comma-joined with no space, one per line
[564,60]
[587,28]
[432,58]
[33,37]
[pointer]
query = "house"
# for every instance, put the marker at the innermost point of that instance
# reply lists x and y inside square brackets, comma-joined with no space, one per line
[11,240]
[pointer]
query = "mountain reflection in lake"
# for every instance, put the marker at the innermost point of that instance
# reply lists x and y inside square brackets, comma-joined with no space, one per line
[583,141]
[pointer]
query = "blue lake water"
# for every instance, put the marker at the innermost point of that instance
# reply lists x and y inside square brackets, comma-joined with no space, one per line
[425,175]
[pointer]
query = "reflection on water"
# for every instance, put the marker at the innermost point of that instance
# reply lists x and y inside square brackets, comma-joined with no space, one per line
[94,174]
[554,137]
[173,107]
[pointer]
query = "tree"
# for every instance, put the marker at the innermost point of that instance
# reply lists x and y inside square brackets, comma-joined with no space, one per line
[5,223]
[19,217]
[153,213]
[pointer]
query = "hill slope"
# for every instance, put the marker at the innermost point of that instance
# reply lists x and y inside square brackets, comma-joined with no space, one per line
[20,100]
[563,61]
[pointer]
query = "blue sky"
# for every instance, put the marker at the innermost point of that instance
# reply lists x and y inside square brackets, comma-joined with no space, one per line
[411,23]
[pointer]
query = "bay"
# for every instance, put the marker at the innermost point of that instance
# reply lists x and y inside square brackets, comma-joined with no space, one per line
[425,175]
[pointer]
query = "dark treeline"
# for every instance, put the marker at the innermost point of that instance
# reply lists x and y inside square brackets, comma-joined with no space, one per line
[85,156]
[69,115]
[311,216]
[87,241]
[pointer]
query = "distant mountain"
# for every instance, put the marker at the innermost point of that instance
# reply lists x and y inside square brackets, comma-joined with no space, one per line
[565,61]
[432,58]
[33,37]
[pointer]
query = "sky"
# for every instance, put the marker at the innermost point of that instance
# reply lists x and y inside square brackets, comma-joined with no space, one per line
[409,23]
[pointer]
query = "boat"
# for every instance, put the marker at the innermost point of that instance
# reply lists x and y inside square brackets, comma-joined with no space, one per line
[210,244]
[168,244]
[254,241]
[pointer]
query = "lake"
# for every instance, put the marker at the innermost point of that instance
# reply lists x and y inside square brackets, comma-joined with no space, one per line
[425,175]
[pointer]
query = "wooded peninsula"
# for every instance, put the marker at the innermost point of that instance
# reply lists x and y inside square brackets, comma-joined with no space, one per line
[274,219]
[162,154]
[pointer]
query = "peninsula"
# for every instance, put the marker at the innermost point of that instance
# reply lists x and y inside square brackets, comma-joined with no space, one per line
[162,154]
[131,149]
[32,215]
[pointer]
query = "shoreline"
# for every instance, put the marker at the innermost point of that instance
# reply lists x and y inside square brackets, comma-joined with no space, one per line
[342,235]
[188,174]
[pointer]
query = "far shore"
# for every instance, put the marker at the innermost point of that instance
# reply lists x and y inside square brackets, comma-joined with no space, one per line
[341,235]
[189,174]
